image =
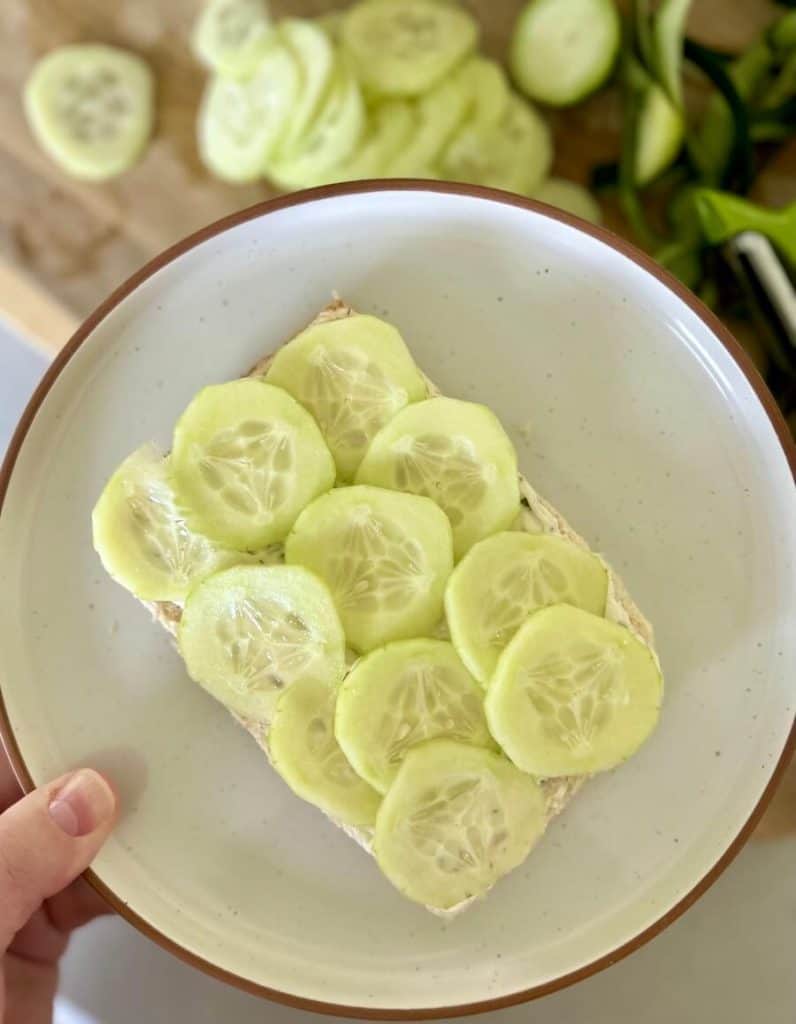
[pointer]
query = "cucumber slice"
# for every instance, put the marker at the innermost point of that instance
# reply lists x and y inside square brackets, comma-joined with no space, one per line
[573,694]
[486,82]
[504,578]
[659,136]
[668,29]
[332,24]
[439,113]
[91,108]
[246,460]
[399,696]
[240,122]
[569,196]
[230,36]
[456,453]
[308,757]
[390,127]
[331,137]
[314,54]
[250,632]
[563,50]
[353,374]
[386,558]
[456,819]
[405,47]
[515,154]
[142,537]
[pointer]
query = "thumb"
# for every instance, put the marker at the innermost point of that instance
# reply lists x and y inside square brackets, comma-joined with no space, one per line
[46,840]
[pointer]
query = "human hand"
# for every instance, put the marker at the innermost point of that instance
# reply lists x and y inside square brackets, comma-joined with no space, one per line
[46,840]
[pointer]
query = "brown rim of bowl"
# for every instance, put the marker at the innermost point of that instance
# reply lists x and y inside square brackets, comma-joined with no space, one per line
[445,188]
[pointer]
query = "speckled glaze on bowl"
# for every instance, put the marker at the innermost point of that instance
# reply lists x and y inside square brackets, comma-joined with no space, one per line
[632,411]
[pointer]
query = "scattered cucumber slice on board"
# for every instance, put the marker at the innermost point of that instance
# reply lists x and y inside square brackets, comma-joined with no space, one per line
[353,374]
[314,54]
[569,196]
[503,579]
[456,453]
[91,109]
[573,694]
[308,757]
[405,47]
[250,632]
[660,133]
[489,88]
[401,695]
[385,557]
[515,154]
[246,460]
[142,537]
[390,127]
[240,122]
[439,113]
[563,50]
[330,138]
[455,820]
[668,29]
[230,36]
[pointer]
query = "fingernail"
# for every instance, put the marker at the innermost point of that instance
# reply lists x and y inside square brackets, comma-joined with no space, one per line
[83,804]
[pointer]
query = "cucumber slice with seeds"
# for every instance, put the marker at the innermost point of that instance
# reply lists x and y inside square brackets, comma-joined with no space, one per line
[309,758]
[248,633]
[405,47]
[439,113]
[386,558]
[400,695]
[390,127]
[314,54]
[504,578]
[353,374]
[573,694]
[562,50]
[569,196]
[91,108]
[246,460]
[230,36]
[488,86]
[456,819]
[455,453]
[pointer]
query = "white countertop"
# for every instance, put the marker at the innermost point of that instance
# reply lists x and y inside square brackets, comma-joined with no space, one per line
[729,960]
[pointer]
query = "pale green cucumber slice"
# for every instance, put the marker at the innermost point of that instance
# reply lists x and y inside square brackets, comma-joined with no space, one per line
[514,154]
[405,47]
[569,196]
[562,50]
[455,820]
[385,557]
[659,135]
[330,138]
[455,453]
[246,460]
[142,537]
[504,578]
[439,114]
[573,694]
[332,24]
[308,757]
[91,108]
[230,35]
[390,127]
[353,374]
[489,88]
[249,633]
[401,695]
[314,54]
[240,122]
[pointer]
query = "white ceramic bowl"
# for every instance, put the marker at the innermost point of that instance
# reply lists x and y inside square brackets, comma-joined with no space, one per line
[632,411]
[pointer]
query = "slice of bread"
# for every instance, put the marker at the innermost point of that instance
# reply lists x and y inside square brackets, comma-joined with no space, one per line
[536,516]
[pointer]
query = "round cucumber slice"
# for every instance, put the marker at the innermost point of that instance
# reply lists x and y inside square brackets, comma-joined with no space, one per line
[313,51]
[330,138]
[456,819]
[573,694]
[386,558]
[91,108]
[142,537]
[455,453]
[390,127]
[250,632]
[400,695]
[230,35]
[308,757]
[246,460]
[240,122]
[504,578]
[562,50]
[659,135]
[486,82]
[569,196]
[514,154]
[404,47]
[439,113]
[353,374]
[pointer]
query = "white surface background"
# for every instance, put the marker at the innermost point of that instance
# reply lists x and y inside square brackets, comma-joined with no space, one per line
[732,958]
